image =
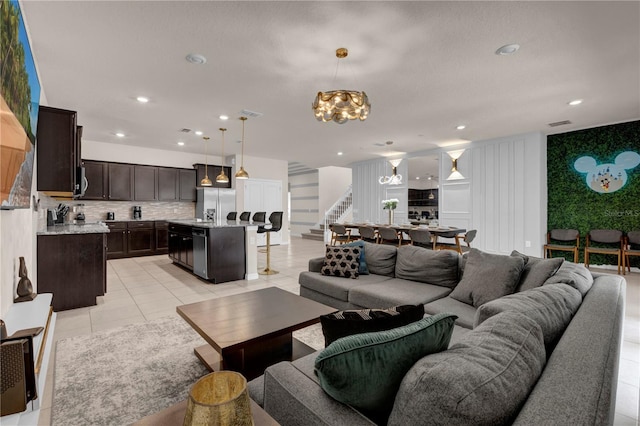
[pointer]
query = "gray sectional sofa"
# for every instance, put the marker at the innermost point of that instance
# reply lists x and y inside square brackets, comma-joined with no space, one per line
[557,332]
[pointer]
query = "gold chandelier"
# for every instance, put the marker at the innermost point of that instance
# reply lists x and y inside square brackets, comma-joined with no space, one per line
[341,105]
[222,178]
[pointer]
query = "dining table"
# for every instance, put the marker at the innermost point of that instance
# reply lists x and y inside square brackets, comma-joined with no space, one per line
[436,231]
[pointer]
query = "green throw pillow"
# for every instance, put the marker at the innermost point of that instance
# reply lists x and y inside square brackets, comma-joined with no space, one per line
[365,370]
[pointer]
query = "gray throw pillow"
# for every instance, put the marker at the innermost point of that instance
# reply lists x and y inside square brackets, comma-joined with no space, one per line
[487,277]
[536,270]
[380,258]
[483,379]
[552,307]
[574,274]
[428,266]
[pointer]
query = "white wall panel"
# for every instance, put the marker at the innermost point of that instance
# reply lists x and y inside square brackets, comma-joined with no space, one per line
[507,193]
[368,193]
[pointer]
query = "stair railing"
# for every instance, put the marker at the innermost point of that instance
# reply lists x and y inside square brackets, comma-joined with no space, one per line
[338,211]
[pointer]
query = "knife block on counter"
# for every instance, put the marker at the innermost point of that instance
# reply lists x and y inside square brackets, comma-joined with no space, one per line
[53,218]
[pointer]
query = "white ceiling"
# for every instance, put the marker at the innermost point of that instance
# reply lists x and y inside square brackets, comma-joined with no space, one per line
[426,67]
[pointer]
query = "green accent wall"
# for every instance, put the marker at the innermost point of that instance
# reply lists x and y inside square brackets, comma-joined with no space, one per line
[572,204]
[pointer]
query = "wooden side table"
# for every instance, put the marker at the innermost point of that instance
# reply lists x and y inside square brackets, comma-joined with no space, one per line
[174,416]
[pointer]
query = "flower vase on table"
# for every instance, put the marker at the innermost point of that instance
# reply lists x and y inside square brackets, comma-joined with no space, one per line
[390,205]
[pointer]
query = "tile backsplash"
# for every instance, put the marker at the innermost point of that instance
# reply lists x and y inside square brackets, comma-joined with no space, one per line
[123,210]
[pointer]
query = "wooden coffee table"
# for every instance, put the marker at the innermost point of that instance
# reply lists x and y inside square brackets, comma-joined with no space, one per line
[250,331]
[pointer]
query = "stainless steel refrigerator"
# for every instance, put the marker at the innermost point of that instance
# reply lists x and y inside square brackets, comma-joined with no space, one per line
[215,203]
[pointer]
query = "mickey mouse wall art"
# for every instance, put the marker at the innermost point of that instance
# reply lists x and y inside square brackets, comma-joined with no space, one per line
[607,178]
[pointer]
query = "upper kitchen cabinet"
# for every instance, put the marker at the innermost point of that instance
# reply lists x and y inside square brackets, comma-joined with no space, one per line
[120,182]
[145,180]
[187,185]
[212,171]
[58,150]
[96,173]
[168,184]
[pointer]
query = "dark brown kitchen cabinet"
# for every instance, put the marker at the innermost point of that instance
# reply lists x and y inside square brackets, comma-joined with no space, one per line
[145,183]
[117,240]
[162,237]
[212,171]
[140,238]
[58,151]
[72,267]
[120,182]
[187,185]
[96,173]
[181,245]
[168,184]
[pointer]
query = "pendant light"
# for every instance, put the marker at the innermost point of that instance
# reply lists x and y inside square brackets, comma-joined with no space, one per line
[242,173]
[222,178]
[205,180]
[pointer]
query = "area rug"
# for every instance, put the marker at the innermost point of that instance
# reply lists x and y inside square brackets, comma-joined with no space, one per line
[118,376]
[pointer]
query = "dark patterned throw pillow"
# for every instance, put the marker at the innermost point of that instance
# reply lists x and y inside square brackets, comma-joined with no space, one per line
[341,261]
[345,323]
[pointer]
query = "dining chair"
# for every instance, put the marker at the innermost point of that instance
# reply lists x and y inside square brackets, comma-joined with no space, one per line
[367,233]
[455,245]
[244,216]
[631,247]
[232,215]
[563,240]
[340,234]
[467,238]
[422,238]
[608,241]
[387,235]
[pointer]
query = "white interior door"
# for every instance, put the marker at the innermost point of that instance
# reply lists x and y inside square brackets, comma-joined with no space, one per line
[262,195]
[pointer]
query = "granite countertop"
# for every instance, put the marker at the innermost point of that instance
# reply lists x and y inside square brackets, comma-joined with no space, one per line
[87,228]
[211,224]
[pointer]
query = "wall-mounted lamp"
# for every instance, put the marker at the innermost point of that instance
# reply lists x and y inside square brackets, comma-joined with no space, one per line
[455,174]
[395,178]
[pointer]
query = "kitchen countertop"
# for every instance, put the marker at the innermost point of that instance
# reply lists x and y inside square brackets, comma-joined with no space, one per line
[87,228]
[210,224]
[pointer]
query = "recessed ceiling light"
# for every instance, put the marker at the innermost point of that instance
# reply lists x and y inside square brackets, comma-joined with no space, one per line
[120,135]
[142,99]
[508,49]
[461,127]
[181,143]
[198,132]
[575,102]
[224,117]
[196,58]
[417,177]
[340,153]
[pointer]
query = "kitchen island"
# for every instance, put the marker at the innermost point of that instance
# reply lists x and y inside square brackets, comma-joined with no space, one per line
[216,252]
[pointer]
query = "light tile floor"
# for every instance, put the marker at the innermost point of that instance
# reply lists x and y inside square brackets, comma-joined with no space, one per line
[146,288]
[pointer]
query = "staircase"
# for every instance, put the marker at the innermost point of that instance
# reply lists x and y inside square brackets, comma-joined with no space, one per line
[314,234]
[336,213]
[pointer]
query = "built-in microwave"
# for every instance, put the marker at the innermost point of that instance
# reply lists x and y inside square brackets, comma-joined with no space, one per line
[81,183]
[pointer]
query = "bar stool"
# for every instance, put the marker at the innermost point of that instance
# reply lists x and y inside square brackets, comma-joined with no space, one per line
[259,217]
[275,219]
[244,216]
[232,215]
